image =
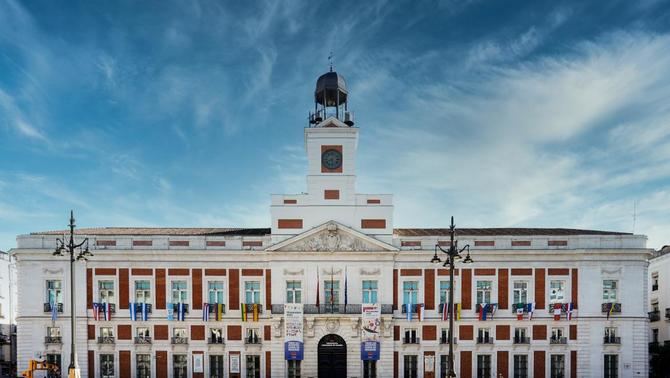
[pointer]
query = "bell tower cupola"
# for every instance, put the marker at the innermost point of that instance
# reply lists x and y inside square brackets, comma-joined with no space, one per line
[331,99]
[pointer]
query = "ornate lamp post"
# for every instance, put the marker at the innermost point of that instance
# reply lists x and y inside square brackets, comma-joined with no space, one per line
[452,253]
[63,247]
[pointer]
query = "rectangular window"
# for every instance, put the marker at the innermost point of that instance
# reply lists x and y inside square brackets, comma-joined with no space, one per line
[557,366]
[293,368]
[411,336]
[180,333]
[483,292]
[611,366]
[143,365]
[370,291]
[520,336]
[179,292]
[520,292]
[106,291]
[252,292]
[332,292]
[54,291]
[143,335]
[444,365]
[609,291]
[216,335]
[410,290]
[253,366]
[556,291]
[557,336]
[53,358]
[143,291]
[179,365]
[484,336]
[216,366]
[654,281]
[253,336]
[520,366]
[444,292]
[215,292]
[444,336]
[483,366]
[293,292]
[53,331]
[610,335]
[106,335]
[369,369]
[106,366]
[410,366]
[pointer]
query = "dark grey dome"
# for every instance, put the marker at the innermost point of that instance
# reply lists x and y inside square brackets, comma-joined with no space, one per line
[330,88]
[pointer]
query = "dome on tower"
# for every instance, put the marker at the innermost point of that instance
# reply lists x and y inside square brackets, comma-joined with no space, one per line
[331,89]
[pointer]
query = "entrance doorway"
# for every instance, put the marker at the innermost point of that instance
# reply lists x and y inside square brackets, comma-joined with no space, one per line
[332,357]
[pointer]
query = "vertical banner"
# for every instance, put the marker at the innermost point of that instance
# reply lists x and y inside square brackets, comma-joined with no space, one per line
[293,331]
[370,331]
[234,363]
[198,364]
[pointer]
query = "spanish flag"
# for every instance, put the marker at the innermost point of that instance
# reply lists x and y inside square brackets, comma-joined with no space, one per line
[609,312]
[244,312]
[219,311]
[255,310]
[458,311]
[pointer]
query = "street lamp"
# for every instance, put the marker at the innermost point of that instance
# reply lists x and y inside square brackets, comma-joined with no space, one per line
[452,253]
[63,247]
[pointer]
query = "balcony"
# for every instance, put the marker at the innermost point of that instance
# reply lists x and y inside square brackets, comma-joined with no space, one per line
[175,308]
[250,308]
[667,313]
[354,309]
[47,307]
[521,340]
[106,340]
[654,316]
[484,340]
[414,308]
[615,308]
[179,340]
[489,307]
[252,340]
[445,340]
[440,308]
[138,308]
[112,307]
[612,340]
[558,340]
[213,308]
[411,340]
[143,340]
[216,340]
[53,340]
[654,287]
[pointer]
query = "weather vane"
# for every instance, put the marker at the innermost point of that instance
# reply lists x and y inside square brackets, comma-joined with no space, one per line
[330,61]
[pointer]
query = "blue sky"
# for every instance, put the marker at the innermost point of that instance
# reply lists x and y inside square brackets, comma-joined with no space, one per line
[177,113]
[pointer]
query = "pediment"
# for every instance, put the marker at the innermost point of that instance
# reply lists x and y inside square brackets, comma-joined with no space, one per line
[331,122]
[332,237]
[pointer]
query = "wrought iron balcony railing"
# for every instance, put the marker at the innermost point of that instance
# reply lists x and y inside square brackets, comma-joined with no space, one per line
[354,309]
[654,316]
[615,308]
[440,308]
[216,340]
[143,340]
[53,340]
[521,340]
[213,308]
[445,340]
[612,340]
[47,307]
[411,340]
[179,340]
[175,308]
[414,308]
[485,340]
[667,313]
[558,340]
[250,308]
[252,340]
[138,308]
[106,340]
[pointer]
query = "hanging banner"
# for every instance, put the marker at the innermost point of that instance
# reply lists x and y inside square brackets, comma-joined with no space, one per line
[293,331]
[370,331]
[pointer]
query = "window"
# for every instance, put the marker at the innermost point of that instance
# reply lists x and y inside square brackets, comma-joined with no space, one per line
[332,292]
[216,366]
[107,366]
[520,366]
[143,335]
[216,335]
[444,336]
[369,369]
[143,364]
[410,366]
[253,336]
[520,336]
[54,291]
[483,366]
[610,335]
[53,358]
[520,292]
[557,366]
[106,334]
[611,366]
[484,336]
[106,291]
[179,365]
[609,291]
[180,336]
[410,336]
[293,292]
[409,292]
[557,336]
[179,292]
[654,335]
[444,365]
[252,292]
[293,369]
[369,291]
[143,291]
[654,281]
[253,366]
[483,292]
[215,291]
[444,292]
[53,331]
[556,291]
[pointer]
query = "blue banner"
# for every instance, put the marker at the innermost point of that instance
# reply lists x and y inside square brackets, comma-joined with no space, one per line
[370,350]
[293,350]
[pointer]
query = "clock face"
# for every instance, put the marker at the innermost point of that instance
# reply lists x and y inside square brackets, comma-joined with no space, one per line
[331,159]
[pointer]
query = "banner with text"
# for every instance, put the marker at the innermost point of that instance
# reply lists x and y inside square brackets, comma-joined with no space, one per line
[370,331]
[293,331]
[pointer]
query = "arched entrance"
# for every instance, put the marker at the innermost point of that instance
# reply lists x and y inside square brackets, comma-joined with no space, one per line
[332,357]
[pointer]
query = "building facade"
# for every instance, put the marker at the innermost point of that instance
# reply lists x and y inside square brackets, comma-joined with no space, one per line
[7,316]
[159,302]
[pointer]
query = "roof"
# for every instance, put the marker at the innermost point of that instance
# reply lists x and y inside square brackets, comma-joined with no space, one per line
[401,232]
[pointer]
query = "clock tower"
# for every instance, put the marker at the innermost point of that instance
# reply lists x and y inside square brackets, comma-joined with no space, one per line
[331,141]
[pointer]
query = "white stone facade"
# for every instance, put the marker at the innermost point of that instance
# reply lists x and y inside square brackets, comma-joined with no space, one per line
[659,296]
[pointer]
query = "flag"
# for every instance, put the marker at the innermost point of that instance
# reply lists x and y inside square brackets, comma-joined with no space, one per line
[54,311]
[332,292]
[205,312]
[255,312]
[346,294]
[569,311]
[519,313]
[611,309]
[408,307]
[108,311]
[494,307]
[458,311]
[145,312]
[318,294]
[420,311]
[96,311]
[445,311]
[181,312]
[219,311]
[557,311]
[170,311]
[482,311]
[244,312]
[531,309]
[132,307]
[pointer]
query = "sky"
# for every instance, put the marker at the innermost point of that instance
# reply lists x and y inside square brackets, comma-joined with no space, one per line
[189,114]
